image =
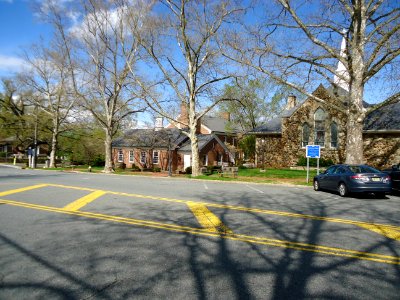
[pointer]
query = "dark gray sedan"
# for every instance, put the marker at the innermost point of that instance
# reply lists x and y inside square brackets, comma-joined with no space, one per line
[347,179]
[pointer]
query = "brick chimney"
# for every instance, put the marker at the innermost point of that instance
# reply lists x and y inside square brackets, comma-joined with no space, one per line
[183,117]
[291,102]
[198,126]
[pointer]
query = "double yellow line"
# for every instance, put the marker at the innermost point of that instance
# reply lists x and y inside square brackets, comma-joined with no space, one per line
[387,259]
[212,226]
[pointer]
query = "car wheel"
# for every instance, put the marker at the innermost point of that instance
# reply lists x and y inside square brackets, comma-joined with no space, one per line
[316,185]
[343,192]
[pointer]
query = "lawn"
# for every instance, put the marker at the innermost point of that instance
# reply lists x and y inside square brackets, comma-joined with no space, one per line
[297,177]
[282,176]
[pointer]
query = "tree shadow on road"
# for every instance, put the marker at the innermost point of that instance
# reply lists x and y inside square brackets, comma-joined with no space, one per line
[107,260]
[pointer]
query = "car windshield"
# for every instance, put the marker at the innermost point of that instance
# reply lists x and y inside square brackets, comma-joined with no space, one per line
[363,169]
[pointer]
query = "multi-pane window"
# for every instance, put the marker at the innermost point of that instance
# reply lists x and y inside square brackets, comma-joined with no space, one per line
[155,157]
[143,157]
[319,127]
[334,135]
[306,135]
[131,156]
[120,155]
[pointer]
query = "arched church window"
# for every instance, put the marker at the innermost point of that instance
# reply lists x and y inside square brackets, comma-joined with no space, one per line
[306,135]
[319,127]
[334,135]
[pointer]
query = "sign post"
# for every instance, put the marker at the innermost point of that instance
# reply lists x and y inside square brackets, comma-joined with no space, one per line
[312,151]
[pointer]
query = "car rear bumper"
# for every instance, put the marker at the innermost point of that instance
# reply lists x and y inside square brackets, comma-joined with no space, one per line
[370,189]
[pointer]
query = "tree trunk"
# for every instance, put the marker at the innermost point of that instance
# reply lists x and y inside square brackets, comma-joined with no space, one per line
[54,144]
[354,141]
[195,152]
[108,167]
[355,122]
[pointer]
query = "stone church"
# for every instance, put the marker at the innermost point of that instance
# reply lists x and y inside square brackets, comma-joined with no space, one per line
[281,141]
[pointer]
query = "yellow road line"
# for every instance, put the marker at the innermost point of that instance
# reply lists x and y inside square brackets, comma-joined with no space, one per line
[389,231]
[28,188]
[387,259]
[81,202]
[383,230]
[207,219]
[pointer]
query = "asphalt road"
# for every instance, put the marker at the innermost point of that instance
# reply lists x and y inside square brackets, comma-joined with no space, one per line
[96,236]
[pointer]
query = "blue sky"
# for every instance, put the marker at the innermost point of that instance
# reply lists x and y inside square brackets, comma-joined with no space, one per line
[18,29]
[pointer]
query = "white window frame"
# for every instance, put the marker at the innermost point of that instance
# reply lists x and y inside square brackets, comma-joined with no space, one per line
[156,162]
[120,155]
[143,158]
[323,121]
[131,155]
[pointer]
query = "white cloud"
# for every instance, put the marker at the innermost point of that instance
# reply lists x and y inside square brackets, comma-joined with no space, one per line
[11,63]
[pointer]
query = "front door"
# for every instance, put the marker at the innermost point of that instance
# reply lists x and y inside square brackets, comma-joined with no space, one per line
[187,161]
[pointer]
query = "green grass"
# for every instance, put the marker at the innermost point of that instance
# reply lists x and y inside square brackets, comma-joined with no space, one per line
[285,176]
[276,173]
[297,177]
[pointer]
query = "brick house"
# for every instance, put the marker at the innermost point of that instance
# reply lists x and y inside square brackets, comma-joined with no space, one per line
[151,148]
[281,141]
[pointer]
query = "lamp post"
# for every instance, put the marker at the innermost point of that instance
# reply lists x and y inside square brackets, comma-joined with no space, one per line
[169,156]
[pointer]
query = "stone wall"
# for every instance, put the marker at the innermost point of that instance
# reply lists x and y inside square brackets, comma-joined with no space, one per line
[284,150]
[382,150]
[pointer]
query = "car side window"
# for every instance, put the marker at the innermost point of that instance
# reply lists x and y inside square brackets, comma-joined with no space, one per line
[340,171]
[331,170]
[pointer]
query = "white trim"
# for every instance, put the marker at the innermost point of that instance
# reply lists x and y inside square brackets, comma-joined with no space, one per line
[120,155]
[158,157]
[133,156]
[141,157]
[208,129]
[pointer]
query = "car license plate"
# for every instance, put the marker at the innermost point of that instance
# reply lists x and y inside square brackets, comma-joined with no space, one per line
[376,179]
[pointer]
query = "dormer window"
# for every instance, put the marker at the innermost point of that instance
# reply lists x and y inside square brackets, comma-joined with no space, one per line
[319,127]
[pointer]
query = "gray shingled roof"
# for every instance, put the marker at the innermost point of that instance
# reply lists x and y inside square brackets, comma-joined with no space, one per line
[273,126]
[217,124]
[149,138]
[203,140]
[385,118]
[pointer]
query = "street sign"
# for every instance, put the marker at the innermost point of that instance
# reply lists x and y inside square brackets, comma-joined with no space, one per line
[313,151]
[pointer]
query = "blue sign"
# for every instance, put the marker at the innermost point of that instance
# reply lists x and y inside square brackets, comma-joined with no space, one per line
[313,151]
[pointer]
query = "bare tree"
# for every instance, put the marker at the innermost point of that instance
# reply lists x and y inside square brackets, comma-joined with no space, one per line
[101,54]
[298,41]
[179,38]
[48,79]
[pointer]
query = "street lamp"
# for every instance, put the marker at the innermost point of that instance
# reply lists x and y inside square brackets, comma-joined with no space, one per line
[169,156]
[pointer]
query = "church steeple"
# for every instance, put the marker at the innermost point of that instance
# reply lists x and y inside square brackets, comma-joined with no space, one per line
[341,70]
